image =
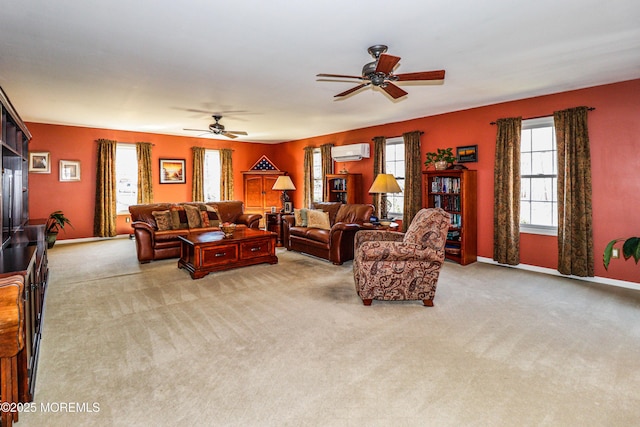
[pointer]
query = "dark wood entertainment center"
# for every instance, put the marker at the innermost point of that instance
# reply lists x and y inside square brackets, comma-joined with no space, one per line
[24,249]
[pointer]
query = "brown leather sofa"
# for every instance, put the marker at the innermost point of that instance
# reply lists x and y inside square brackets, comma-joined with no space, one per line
[334,244]
[153,243]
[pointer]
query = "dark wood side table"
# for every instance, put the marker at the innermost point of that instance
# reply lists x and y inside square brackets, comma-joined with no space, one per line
[274,224]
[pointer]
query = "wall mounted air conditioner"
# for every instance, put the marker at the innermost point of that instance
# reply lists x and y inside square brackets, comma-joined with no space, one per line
[348,153]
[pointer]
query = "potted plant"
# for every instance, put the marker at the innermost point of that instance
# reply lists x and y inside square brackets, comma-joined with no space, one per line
[55,223]
[440,159]
[630,248]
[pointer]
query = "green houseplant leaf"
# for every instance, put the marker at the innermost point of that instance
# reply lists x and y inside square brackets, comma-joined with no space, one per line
[57,221]
[630,248]
[441,154]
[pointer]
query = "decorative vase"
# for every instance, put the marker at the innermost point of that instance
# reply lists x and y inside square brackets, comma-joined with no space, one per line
[441,165]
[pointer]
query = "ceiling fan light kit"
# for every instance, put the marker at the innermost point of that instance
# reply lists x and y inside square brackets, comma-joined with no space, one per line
[380,73]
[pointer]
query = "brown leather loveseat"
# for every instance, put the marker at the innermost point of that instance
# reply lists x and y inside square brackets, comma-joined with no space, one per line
[332,241]
[156,231]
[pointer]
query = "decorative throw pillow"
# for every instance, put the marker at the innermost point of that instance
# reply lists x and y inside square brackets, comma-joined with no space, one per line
[300,217]
[212,214]
[178,217]
[204,219]
[193,216]
[163,220]
[318,219]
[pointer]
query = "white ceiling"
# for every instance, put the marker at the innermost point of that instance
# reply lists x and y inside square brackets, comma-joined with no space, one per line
[146,65]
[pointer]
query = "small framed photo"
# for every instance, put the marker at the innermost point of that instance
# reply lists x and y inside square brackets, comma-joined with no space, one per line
[467,154]
[69,170]
[172,171]
[288,207]
[273,209]
[39,162]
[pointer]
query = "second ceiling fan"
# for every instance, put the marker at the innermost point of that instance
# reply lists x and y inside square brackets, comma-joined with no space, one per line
[218,129]
[380,73]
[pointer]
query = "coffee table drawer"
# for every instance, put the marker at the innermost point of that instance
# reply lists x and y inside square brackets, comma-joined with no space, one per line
[255,249]
[219,255]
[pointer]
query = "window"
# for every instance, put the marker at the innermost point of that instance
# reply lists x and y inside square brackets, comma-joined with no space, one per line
[211,172]
[394,164]
[126,177]
[539,177]
[317,175]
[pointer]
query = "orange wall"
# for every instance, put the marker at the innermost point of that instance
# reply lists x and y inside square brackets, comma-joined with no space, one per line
[614,130]
[77,199]
[615,143]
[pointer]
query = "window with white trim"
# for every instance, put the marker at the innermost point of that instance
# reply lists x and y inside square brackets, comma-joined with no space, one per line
[317,176]
[538,177]
[394,164]
[212,172]
[126,177]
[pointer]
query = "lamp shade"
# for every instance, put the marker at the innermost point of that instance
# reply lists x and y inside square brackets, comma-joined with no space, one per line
[384,183]
[283,183]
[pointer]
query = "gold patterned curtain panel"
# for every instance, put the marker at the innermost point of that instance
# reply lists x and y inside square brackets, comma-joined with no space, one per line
[226,178]
[412,177]
[104,224]
[327,161]
[379,159]
[308,177]
[145,178]
[575,228]
[506,192]
[197,184]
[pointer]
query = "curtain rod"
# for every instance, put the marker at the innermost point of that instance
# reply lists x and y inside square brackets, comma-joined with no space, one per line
[398,136]
[539,117]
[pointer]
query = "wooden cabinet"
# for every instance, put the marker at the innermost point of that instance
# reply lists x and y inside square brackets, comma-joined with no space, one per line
[258,195]
[455,192]
[343,187]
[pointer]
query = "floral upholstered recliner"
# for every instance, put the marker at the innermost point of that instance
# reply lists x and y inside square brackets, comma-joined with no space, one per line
[401,266]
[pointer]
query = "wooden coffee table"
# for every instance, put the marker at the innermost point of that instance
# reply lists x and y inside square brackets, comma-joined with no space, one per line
[205,252]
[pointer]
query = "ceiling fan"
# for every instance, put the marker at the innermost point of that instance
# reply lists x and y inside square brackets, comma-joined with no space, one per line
[380,73]
[218,129]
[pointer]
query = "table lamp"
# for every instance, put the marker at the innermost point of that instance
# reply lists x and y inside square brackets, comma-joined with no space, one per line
[284,183]
[385,183]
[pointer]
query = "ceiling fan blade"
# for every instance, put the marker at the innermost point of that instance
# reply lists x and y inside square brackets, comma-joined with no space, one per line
[198,130]
[237,132]
[353,89]
[229,135]
[394,90]
[386,63]
[339,76]
[425,75]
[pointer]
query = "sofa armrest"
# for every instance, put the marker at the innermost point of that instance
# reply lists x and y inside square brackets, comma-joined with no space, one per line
[288,221]
[250,220]
[145,240]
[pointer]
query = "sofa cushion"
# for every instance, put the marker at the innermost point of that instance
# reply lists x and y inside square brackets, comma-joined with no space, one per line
[318,219]
[193,216]
[178,217]
[315,234]
[330,207]
[300,217]
[204,219]
[163,220]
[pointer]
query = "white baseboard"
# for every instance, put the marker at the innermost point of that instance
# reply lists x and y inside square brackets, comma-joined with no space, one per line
[603,280]
[90,239]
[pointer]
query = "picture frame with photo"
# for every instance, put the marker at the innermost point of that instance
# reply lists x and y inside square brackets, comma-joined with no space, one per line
[172,171]
[288,207]
[467,154]
[69,170]
[39,162]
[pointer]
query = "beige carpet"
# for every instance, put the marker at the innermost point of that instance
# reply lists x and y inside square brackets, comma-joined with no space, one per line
[292,345]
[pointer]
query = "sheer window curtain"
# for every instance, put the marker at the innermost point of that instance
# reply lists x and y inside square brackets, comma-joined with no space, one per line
[412,177]
[226,178]
[104,224]
[506,192]
[197,184]
[575,228]
[379,159]
[308,177]
[145,178]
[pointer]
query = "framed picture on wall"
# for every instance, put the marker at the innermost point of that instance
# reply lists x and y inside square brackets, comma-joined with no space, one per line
[172,171]
[69,170]
[39,162]
[467,154]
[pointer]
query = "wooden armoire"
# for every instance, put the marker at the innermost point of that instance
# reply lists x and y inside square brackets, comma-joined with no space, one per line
[258,195]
